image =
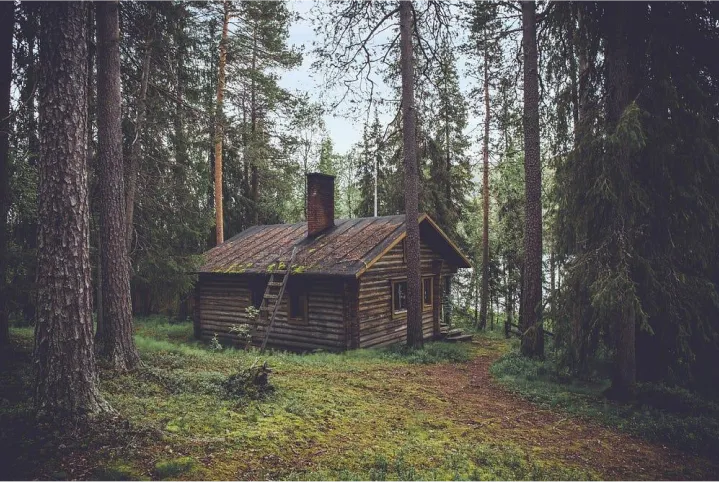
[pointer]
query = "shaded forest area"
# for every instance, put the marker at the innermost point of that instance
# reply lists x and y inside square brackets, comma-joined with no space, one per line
[571,149]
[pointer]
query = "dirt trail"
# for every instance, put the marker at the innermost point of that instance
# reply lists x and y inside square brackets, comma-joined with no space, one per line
[483,403]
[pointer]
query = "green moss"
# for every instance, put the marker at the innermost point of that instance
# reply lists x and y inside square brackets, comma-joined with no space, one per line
[368,414]
[118,470]
[174,467]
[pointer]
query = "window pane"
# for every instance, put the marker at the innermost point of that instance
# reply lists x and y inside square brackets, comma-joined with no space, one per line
[296,306]
[427,291]
[400,296]
[258,292]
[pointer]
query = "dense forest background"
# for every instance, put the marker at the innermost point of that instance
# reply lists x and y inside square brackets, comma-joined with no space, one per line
[628,149]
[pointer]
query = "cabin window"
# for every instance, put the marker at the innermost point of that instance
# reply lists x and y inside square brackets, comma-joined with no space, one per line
[427,293]
[258,292]
[298,305]
[399,297]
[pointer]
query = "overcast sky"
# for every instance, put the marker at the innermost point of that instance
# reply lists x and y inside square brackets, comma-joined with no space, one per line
[345,131]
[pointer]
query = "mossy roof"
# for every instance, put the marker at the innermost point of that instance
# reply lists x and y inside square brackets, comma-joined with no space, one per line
[346,249]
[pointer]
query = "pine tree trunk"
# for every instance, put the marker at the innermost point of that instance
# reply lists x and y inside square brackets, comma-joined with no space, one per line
[219,131]
[114,343]
[509,305]
[7,19]
[620,86]
[485,198]
[66,375]
[411,178]
[136,148]
[533,338]
[254,181]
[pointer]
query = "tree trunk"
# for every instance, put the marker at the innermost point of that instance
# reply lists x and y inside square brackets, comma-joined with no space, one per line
[509,305]
[114,343]
[254,182]
[66,375]
[533,338]
[411,178]
[7,19]
[136,148]
[485,196]
[219,224]
[620,92]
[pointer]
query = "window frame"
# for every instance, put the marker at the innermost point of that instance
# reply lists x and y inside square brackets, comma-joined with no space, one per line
[257,289]
[428,306]
[300,295]
[401,312]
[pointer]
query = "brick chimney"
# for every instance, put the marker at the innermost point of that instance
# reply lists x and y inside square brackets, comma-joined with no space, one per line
[320,203]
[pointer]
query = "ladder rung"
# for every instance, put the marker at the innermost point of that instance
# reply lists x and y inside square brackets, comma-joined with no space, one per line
[271,297]
[274,283]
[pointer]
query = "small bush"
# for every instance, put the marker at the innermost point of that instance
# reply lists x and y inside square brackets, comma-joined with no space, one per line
[252,383]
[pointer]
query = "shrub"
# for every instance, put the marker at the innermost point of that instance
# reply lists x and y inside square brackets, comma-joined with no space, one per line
[252,382]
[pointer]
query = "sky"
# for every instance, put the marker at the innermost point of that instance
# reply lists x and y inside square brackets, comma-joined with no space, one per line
[343,131]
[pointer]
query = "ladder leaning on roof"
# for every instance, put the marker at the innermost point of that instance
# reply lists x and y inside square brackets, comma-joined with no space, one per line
[271,299]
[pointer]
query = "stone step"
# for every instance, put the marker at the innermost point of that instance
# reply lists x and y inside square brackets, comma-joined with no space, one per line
[456,338]
[455,331]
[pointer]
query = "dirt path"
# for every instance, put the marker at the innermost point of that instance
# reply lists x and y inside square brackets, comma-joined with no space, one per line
[483,403]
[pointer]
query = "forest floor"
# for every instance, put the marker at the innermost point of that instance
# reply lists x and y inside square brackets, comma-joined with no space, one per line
[365,414]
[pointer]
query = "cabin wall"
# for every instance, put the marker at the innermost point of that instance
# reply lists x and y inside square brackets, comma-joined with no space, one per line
[222,300]
[377,327]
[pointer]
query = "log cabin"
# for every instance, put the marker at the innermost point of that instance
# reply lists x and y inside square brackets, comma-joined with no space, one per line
[346,287]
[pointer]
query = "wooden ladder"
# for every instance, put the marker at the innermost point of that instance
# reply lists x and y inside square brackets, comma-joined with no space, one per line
[273,296]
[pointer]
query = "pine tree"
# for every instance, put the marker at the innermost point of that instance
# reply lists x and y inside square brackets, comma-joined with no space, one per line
[533,337]
[415,337]
[114,342]
[7,21]
[66,376]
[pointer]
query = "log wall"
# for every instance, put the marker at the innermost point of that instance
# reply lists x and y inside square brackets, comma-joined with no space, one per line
[377,326]
[222,300]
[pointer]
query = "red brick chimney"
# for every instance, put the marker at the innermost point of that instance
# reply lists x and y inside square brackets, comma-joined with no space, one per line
[320,203]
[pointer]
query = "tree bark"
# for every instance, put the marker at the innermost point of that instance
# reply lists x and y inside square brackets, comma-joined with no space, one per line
[411,178]
[620,92]
[254,181]
[136,148]
[114,343]
[66,375]
[219,226]
[7,20]
[485,196]
[533,336]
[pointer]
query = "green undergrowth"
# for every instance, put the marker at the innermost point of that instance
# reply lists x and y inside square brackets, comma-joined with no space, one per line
[354,415]
[660,413]
[359,415]
[485,461]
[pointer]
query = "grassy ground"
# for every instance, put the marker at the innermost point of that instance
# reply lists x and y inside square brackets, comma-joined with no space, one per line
[366,414]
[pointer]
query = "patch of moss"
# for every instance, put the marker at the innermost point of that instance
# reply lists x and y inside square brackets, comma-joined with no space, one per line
[118,470]
[172,468]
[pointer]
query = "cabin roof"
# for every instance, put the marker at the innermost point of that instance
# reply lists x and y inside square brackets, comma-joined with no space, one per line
[346,249]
